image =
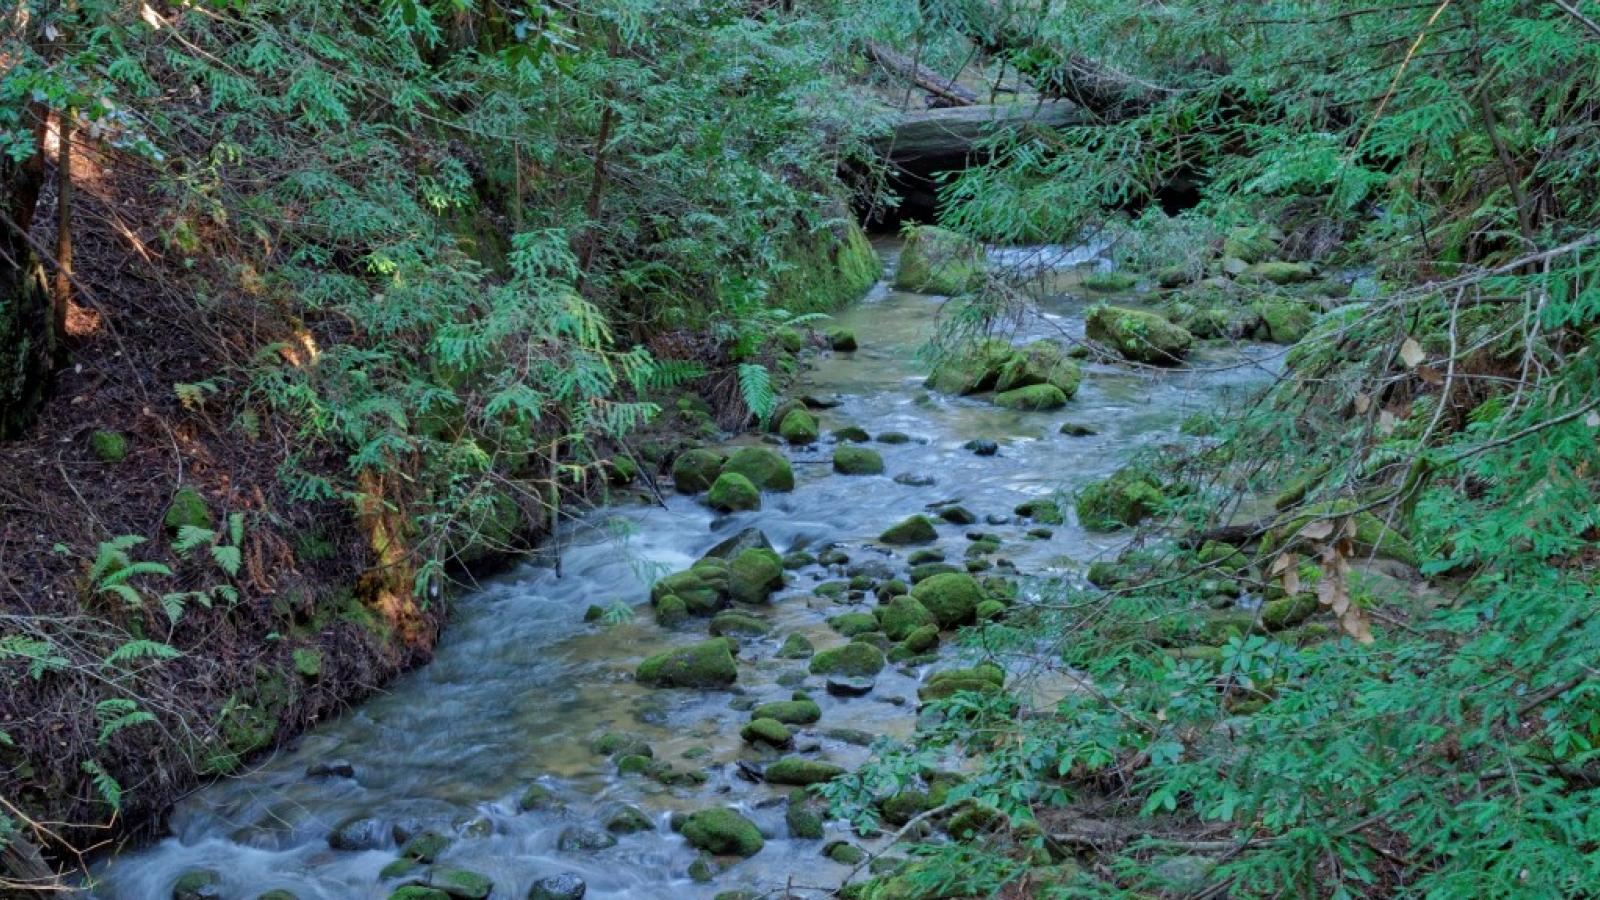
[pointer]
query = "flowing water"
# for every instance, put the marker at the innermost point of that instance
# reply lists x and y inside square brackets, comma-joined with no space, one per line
[520,684]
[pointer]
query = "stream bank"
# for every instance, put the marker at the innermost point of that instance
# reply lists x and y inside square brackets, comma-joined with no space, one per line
[498,748]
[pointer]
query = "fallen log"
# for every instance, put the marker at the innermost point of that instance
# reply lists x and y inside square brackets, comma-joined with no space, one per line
[952,133]
[923,77]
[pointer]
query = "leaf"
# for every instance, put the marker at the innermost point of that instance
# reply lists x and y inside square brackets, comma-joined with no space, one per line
[1411,353]
[110,790]
[227,558]
[192,536]
[143,649]
[1318,530]
[1430,375]
[1363,402]
[1387,421]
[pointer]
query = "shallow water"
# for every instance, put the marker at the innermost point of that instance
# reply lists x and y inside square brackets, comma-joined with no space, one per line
[520,684]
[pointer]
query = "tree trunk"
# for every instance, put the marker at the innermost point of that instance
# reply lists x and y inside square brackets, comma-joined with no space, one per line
[29,341]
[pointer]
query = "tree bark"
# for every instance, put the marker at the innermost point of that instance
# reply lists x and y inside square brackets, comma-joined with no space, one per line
[29,342]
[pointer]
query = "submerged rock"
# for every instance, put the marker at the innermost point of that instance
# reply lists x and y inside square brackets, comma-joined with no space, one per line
[583,839]
[938,261]
[982,447]
[566,886]
[708,664]
[359,833]
[796,646]
[722,832]
[1137,335]
[198,884]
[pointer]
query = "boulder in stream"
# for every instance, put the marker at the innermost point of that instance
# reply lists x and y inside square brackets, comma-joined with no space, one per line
[912,530]
[855,658]
[792,770]
[848,460]
[754,575]
[708,664]
[939,261]
[1138,335]
[722,832]
[799,711]
[903,615]
[1037,398]
[766,731]
[732,492]
[767,469]
[952,597]
[799,427]
[694,471]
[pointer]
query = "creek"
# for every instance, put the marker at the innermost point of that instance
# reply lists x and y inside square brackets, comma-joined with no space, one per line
[521,684]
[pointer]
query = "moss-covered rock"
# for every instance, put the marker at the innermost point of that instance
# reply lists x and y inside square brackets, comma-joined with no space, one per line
[1137,335]
[799,427]
[628,820]
[853,623]
[708,664]
[951,597]
[1278,272]
[767,469]
[803,816]
[729,622]
[989,610]
[898,809]
[972,369]
[1041,362]
[844,853]
[702,588]
[855,434]
[792,770]
[1284,321]
[826,268]
[789,712]
[1037,398]
[796,646]
[984,678]
[937,261]
[671,611]
[109,446]
[722,832]
[418,892]
[854,659]
[766,731]
[848,460]
[1045,511]
[916,529]
[188,508]
[695,471]
[732,492]
[460,884]
[921,640]
[903,615]
[841,340]
[1123,500]
[754,575]
[1110,282]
